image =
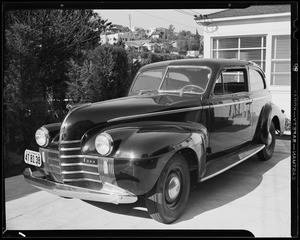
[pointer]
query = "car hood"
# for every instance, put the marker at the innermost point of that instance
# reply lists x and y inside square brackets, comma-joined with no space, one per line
[86,116]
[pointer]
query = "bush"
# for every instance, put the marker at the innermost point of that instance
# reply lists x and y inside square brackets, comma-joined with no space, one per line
[287,124]
[103,75]
[157,57]
[106,73]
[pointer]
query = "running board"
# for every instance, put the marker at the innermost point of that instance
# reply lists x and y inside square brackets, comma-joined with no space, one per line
[224,163]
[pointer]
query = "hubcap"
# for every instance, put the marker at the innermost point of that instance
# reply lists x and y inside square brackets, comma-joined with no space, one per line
[174,187]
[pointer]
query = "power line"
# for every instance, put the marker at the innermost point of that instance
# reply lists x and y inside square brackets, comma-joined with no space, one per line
[194,11]
[183,12]
[164,19]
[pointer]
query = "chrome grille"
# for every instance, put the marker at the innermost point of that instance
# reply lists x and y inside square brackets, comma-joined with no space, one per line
[51,162]
[73,164]
[69,165]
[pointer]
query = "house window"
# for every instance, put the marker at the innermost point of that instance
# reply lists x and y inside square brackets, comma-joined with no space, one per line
[281,61]
[244,48]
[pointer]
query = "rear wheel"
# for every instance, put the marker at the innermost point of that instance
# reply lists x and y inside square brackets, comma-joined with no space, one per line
[268,151]
[167,199]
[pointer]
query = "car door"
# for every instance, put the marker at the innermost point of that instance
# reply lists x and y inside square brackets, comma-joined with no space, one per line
[230,111]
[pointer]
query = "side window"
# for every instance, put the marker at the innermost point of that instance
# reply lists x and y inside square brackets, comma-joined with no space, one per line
[234,81]
[231,81]
[256,80]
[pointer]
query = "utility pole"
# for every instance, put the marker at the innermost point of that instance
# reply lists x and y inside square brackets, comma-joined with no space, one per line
[130,22]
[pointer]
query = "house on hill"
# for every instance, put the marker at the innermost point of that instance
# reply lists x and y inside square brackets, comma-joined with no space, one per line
[137,44]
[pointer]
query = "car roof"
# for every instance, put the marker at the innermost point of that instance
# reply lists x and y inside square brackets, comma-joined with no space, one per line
[209,62]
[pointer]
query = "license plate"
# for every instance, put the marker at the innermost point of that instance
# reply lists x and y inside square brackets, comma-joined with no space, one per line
[33,158]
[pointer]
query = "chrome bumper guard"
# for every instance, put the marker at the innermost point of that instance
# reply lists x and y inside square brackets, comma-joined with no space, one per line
[108,193]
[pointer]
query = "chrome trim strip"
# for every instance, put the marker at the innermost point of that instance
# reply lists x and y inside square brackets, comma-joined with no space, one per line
[177,111]
[70,149]
[80,171]
[79,156]
[158,113]
[73,141]
[236,163]
[232,103]
[77,164]
[82,179]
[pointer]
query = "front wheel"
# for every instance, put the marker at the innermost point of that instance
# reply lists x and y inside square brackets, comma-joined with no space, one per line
[268,151]
[167,199]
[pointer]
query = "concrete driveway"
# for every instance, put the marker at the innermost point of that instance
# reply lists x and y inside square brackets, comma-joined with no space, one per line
[253,196]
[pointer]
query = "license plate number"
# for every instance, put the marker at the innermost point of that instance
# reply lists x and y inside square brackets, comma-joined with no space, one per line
[33,158]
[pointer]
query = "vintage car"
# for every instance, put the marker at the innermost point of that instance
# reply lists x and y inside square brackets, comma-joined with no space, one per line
[183,122]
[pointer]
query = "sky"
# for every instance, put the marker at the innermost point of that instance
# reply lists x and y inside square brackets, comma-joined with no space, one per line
[181,19]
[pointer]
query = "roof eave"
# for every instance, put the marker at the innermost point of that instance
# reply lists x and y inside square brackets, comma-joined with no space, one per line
[209,21]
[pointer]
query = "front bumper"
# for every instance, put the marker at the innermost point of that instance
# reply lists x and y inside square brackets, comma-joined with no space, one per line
[108,193]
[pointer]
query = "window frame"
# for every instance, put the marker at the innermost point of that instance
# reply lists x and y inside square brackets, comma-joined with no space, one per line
[262,76]
[220,75]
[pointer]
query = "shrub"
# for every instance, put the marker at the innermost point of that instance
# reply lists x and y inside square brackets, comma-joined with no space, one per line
[103,75]
[158,57]
[287,124]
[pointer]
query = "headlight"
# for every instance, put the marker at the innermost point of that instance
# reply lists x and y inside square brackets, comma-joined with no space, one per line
[42,137]
[104,144]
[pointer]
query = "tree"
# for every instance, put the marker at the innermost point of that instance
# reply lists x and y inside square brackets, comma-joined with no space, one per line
[168,47]
[156,57]
[38,44]
[21,78]
[187,41]
[104,74]
[142,33]
[170,33]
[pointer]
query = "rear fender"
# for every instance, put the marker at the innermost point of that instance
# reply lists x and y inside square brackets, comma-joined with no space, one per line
[269,113]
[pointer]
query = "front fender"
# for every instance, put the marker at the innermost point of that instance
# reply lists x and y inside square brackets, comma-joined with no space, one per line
[141,150]
[53,130]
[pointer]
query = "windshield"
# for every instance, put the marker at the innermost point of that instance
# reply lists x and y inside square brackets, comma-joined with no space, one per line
[181,79]
[148,80]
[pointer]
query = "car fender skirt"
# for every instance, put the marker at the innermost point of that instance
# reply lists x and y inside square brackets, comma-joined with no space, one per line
[108,193]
